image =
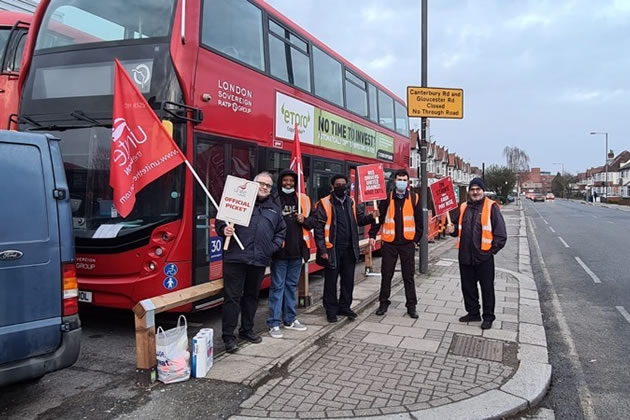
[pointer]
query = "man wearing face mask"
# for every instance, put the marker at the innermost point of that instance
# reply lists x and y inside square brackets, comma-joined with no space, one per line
[244,269]
[402,230]
[480,233]
[287,262]
[337,239]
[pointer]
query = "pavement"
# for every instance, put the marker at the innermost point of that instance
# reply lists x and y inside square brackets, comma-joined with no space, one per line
[394,366]
[606,205]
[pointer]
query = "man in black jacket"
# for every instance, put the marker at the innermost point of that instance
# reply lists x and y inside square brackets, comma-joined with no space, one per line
[481,233]
[402,229]
[287,262]
[243,270]
[337,239]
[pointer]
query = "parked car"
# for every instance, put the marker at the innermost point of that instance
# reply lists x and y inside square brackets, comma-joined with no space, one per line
[538,197]
[40,330]
[550,196]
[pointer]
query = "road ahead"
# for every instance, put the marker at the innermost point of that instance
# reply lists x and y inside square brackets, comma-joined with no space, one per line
[585,272]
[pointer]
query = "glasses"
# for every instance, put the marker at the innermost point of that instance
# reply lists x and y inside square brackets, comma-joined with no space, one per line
[264,185]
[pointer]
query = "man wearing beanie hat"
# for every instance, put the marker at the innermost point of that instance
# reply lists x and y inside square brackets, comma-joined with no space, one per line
[481,233]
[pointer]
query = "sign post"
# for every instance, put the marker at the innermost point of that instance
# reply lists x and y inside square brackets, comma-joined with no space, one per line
[444,199]
[237,203]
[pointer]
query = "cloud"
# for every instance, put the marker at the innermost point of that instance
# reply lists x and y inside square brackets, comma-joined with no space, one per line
[528,20]
[373,14]
[584,96]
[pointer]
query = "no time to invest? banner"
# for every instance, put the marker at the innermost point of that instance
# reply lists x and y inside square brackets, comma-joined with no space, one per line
[322,128]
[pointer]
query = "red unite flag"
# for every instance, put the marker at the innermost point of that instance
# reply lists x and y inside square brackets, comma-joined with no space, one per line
[142,149]
[296,160]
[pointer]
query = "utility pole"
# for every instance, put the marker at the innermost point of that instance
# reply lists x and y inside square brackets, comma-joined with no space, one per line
[424,186]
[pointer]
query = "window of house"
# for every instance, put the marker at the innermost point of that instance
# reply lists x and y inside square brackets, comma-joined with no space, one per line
[385,110]
[289,57]
[356,95]
[328,77]
[234,27]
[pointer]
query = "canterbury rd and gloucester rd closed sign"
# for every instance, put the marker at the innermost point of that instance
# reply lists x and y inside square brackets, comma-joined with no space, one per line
[431,102]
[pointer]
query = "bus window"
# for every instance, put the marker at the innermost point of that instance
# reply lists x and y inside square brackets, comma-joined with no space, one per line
[234,27]
[243,162]
[373,103]
[401,119]
[4,39]
[385,110]
[288,57]
[74,22]
[356,95]
[328,78]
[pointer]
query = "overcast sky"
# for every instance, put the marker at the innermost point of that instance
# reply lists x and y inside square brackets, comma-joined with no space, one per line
[536,74]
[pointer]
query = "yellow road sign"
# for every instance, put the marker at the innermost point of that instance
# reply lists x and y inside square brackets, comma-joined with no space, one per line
[431,102]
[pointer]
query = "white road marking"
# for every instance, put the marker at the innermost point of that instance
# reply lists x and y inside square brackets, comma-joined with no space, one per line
[623,313]
[588,270]
[612,223]
[566,245]
[584,394]
[594,217]
[552,229]
[545,221]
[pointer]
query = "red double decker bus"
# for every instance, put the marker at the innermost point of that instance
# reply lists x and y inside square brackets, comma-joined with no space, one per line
[233,77]
[13,31]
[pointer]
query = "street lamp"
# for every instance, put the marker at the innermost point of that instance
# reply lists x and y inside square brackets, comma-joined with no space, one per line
[562,174]
[606,134]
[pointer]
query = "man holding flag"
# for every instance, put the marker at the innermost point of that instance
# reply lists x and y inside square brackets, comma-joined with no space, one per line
[287,263]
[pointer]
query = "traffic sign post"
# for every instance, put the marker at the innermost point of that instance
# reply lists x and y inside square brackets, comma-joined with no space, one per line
[432,102]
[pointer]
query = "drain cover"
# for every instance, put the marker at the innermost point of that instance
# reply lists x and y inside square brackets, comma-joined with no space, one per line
[479,348]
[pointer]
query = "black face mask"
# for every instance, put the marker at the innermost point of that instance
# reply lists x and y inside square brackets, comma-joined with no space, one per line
[340,191]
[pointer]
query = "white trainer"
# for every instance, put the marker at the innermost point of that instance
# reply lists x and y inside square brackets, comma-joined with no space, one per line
[296,325]
[275,332]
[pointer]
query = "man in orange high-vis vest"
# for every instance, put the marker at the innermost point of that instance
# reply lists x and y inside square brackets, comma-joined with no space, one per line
[480,231]
[337,240]
[287,263]
[402,230]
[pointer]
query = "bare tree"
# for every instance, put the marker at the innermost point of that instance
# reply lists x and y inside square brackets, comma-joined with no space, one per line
[517,160]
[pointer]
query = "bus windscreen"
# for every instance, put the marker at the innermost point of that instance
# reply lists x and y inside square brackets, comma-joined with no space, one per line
[75,22]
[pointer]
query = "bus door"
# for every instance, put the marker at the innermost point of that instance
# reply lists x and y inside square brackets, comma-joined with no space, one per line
[214,159]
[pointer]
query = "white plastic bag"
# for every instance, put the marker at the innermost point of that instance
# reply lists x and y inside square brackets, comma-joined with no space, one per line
[172,353]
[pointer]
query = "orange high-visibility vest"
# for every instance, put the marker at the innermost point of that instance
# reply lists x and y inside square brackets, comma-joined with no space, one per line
[486,224]
[306,210]
[409,223]
[328,209]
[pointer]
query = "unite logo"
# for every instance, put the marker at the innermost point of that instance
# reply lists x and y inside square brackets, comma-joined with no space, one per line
[241,190]
[125,144]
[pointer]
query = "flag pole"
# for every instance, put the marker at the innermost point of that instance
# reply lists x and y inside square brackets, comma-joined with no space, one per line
[214,203]
[299,180]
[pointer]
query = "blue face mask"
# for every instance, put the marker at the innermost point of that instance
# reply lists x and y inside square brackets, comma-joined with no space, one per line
[401,186]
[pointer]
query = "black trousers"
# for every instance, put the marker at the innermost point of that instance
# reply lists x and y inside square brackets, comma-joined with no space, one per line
[390,253]
[484,274]
[241,284]
[344,269]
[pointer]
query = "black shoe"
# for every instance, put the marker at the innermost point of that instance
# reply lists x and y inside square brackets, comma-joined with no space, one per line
[486,325]
[331,318]
[250,336]
[382,309]
[470,318]
[231,346]
[349,313]
[412,313]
